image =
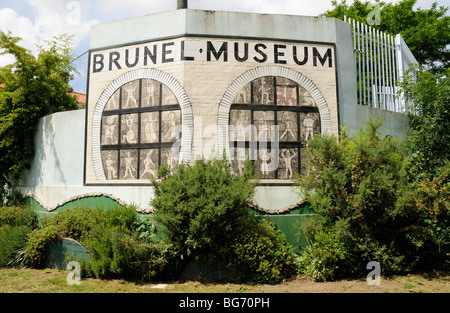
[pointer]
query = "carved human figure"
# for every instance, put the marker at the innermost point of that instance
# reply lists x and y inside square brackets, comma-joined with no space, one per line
[287,158]
[151,91]
[265,158]
[172,123]
[111,171]
[286,119]
[110,129]
[129,169]
[264,91]
[130,98]
[264,128]
[130,136]
[309,126]
[149,165]
[149,130]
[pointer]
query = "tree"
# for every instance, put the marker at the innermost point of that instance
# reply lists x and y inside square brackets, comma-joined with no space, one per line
[425,31]
[428,96]
[33,87]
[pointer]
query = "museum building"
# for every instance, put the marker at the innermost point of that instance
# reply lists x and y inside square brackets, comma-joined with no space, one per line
[174,86]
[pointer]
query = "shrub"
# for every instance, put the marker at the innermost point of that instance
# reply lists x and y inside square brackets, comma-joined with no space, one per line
[203,210]
[118,255]
[15,225]
[262,253]
[201,206]
[367,208]
[37,241]
[422,214]
[13,240]
[75,223]
[120,244]
[15,216]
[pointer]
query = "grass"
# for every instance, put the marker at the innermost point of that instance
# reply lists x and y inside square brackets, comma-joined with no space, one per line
[54,281]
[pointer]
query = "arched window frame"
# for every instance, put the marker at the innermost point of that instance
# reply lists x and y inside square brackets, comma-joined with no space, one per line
[227,104]
[187,119]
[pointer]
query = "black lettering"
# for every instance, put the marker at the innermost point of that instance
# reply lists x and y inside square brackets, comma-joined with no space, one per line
[150,54]
[183,57]
[323,59]
[114,58]
[236,52]
[258,48]
[223,50]
[165,52]
[127,57]
[305,56]
[279,54]
[98,63]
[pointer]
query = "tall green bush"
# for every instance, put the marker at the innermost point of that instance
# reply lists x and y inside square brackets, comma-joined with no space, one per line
[361,193]
[203,209]
[15,216]
[15,226]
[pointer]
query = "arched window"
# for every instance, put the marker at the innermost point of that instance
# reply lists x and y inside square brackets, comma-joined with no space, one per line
[140,130]
[271,119]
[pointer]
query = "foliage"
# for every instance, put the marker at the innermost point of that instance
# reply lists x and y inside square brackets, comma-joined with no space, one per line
[33,87]
[425,31]
[13,240]
[201,206]
[423,215]
[69,223]
[428,145]
[126,248]
[120,243]
[367,210]
[203,211]
[14,216]
[15,225]
[324,258]
[261,252]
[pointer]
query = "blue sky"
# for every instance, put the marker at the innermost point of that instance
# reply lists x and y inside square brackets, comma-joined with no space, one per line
[38,20]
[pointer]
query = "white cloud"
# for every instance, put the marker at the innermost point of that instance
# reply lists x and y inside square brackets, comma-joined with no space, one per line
[50,18]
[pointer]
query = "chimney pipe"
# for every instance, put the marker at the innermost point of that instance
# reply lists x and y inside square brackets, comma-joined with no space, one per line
[182,4]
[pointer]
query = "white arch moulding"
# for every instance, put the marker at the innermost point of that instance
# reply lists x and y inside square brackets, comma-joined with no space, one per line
[259,72]
[157,75]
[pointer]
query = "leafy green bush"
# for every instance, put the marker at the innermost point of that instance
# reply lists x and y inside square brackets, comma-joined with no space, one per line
[119,242]
[367,208]
[201,206]
[15,216]
[37,241]
[261,251]
[125,248]
[203,211]
[71,223]
[15,225]
[423,217]
[13,240]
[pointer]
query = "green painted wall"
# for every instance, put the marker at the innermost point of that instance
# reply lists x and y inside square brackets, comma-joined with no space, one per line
[287,222]
[100,201]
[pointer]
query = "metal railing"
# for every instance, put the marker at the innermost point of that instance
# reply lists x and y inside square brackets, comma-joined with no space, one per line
[380,62]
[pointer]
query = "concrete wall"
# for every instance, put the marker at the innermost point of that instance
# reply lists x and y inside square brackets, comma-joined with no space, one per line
[57,174]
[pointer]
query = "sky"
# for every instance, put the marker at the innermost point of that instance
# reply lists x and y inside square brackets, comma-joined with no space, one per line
[36,21]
